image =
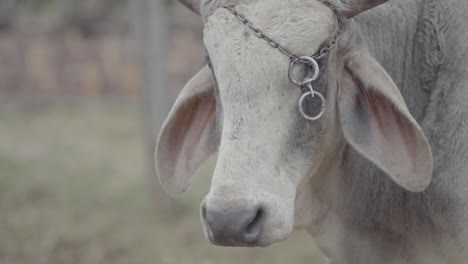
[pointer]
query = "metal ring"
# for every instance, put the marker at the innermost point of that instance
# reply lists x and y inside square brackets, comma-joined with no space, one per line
[312,64]
[312,93]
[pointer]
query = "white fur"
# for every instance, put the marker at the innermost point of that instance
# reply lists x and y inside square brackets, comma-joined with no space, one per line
[257,100]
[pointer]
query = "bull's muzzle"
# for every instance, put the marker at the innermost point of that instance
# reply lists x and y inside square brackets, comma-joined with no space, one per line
[234,228]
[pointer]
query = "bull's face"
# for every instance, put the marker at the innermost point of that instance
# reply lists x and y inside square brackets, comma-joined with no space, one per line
[267,150]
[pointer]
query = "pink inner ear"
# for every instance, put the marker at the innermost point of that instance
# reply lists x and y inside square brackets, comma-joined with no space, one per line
[392,131]
[376,128]
[186,141]
[190,134]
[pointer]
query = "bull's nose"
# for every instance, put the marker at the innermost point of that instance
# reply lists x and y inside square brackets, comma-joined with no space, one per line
[234,228]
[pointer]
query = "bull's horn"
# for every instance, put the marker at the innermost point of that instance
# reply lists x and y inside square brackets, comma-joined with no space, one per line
[355,7]
[193,5]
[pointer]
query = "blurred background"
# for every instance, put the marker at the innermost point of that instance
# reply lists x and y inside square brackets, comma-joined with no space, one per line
[84,87]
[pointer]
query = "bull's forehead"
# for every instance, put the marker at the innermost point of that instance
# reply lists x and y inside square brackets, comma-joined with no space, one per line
[299,25]
[248,63]
[246,67]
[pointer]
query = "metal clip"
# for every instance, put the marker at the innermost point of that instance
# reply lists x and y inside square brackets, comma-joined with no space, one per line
[313,65]
[312,94]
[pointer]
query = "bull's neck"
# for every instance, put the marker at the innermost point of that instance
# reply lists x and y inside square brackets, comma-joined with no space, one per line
[391,34]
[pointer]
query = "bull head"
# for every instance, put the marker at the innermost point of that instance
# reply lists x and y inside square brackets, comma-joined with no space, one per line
[267,151]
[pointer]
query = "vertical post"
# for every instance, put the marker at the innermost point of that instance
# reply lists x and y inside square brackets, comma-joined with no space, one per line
[150,24]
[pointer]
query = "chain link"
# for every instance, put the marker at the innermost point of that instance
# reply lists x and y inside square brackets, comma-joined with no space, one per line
[259,33]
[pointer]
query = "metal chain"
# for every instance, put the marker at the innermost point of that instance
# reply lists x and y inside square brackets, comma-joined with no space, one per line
[262,35]
[313,66]
[259,33]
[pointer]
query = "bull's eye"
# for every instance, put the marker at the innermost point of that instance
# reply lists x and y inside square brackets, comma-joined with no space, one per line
[219,111]
[210,65]
[208,61]
[322,63]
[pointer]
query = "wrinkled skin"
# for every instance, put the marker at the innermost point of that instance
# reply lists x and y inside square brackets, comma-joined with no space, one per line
[357,178]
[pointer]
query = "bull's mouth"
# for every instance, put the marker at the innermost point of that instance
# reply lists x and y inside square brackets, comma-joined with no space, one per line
[235,243]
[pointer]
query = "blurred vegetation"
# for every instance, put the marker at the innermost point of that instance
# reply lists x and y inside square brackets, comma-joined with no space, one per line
[73,191]
[86,48]
[89,17]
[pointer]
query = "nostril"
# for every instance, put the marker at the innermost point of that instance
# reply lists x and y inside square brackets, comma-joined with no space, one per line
[206,221]
[203,212]
[254,222]
[254,228]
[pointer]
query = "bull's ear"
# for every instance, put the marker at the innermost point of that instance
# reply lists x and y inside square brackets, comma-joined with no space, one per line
[377,123]
[187,137]
[193,5]
[355,7]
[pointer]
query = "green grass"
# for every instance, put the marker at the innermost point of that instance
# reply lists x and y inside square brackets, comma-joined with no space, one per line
[73,190]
